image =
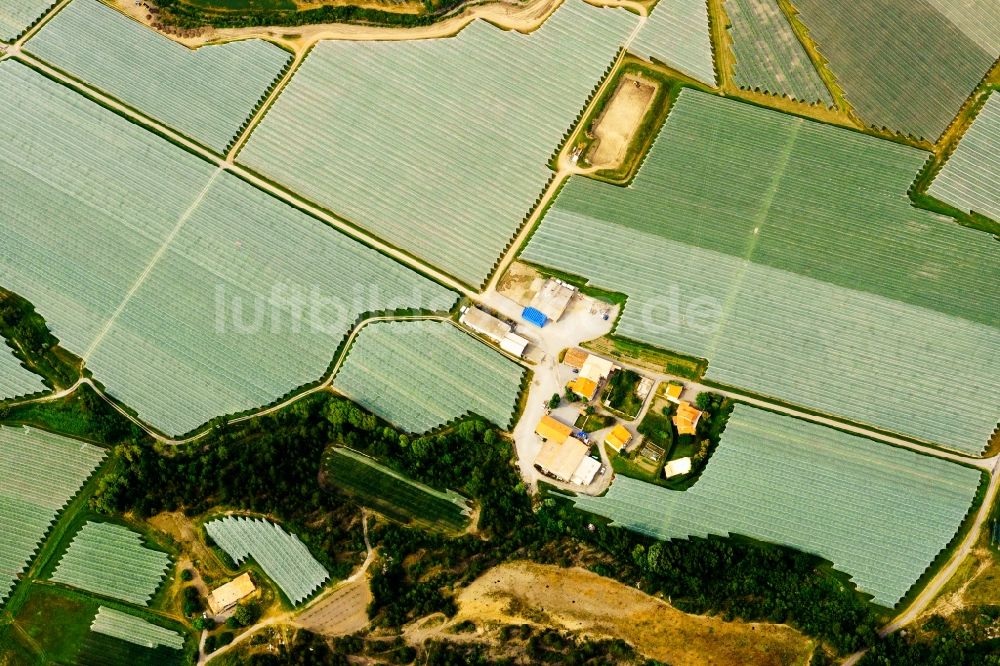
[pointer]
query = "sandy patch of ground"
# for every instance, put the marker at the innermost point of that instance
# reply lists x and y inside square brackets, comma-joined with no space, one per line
[180,528]
[581,601]
[520,283]
[617,125]
[343,611]
[976,582]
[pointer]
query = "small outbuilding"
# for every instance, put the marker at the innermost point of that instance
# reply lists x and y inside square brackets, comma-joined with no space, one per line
[552,430]
[586,471]
[226,596]
[485,324]
[674,391]
[512,343]
[677,467]
[534,317]
[596,368]
[618,438]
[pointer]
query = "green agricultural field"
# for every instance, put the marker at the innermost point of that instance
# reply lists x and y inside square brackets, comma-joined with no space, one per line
[207,94]
[880,514]
[787,253]
[126,627]
[112,560]
[15,379]
[677,34]
[73,244]
[905,66]
[970,179]
[101,650]
[189,293]
[432,145]
[977,19]
[39,474]
[393,494]
[16,16]
[281,555]
[54,625]
[422,374]
[768,56]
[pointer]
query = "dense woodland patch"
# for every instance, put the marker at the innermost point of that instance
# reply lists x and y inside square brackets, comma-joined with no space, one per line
[272,466]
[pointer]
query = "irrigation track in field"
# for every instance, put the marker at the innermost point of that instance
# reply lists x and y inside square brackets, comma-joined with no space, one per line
[150,265]
[220,161]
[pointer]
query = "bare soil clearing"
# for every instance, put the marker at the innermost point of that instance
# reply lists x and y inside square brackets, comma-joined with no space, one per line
[519,283]
[617,126]
[578,600]
[976,582]
[180,528]
[344,611]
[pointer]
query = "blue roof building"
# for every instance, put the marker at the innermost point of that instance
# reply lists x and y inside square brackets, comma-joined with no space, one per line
[534,316]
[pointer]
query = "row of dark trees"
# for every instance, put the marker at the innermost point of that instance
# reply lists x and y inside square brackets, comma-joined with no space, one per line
[185,15]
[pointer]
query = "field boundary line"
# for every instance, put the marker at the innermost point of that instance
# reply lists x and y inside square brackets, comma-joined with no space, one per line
[243,136]
[40,23]
[324,385]
[154,260]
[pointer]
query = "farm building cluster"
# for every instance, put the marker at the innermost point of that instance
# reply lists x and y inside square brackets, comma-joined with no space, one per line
[564,455]
[549,302]
[590,371]
[225,597]
[494,329]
